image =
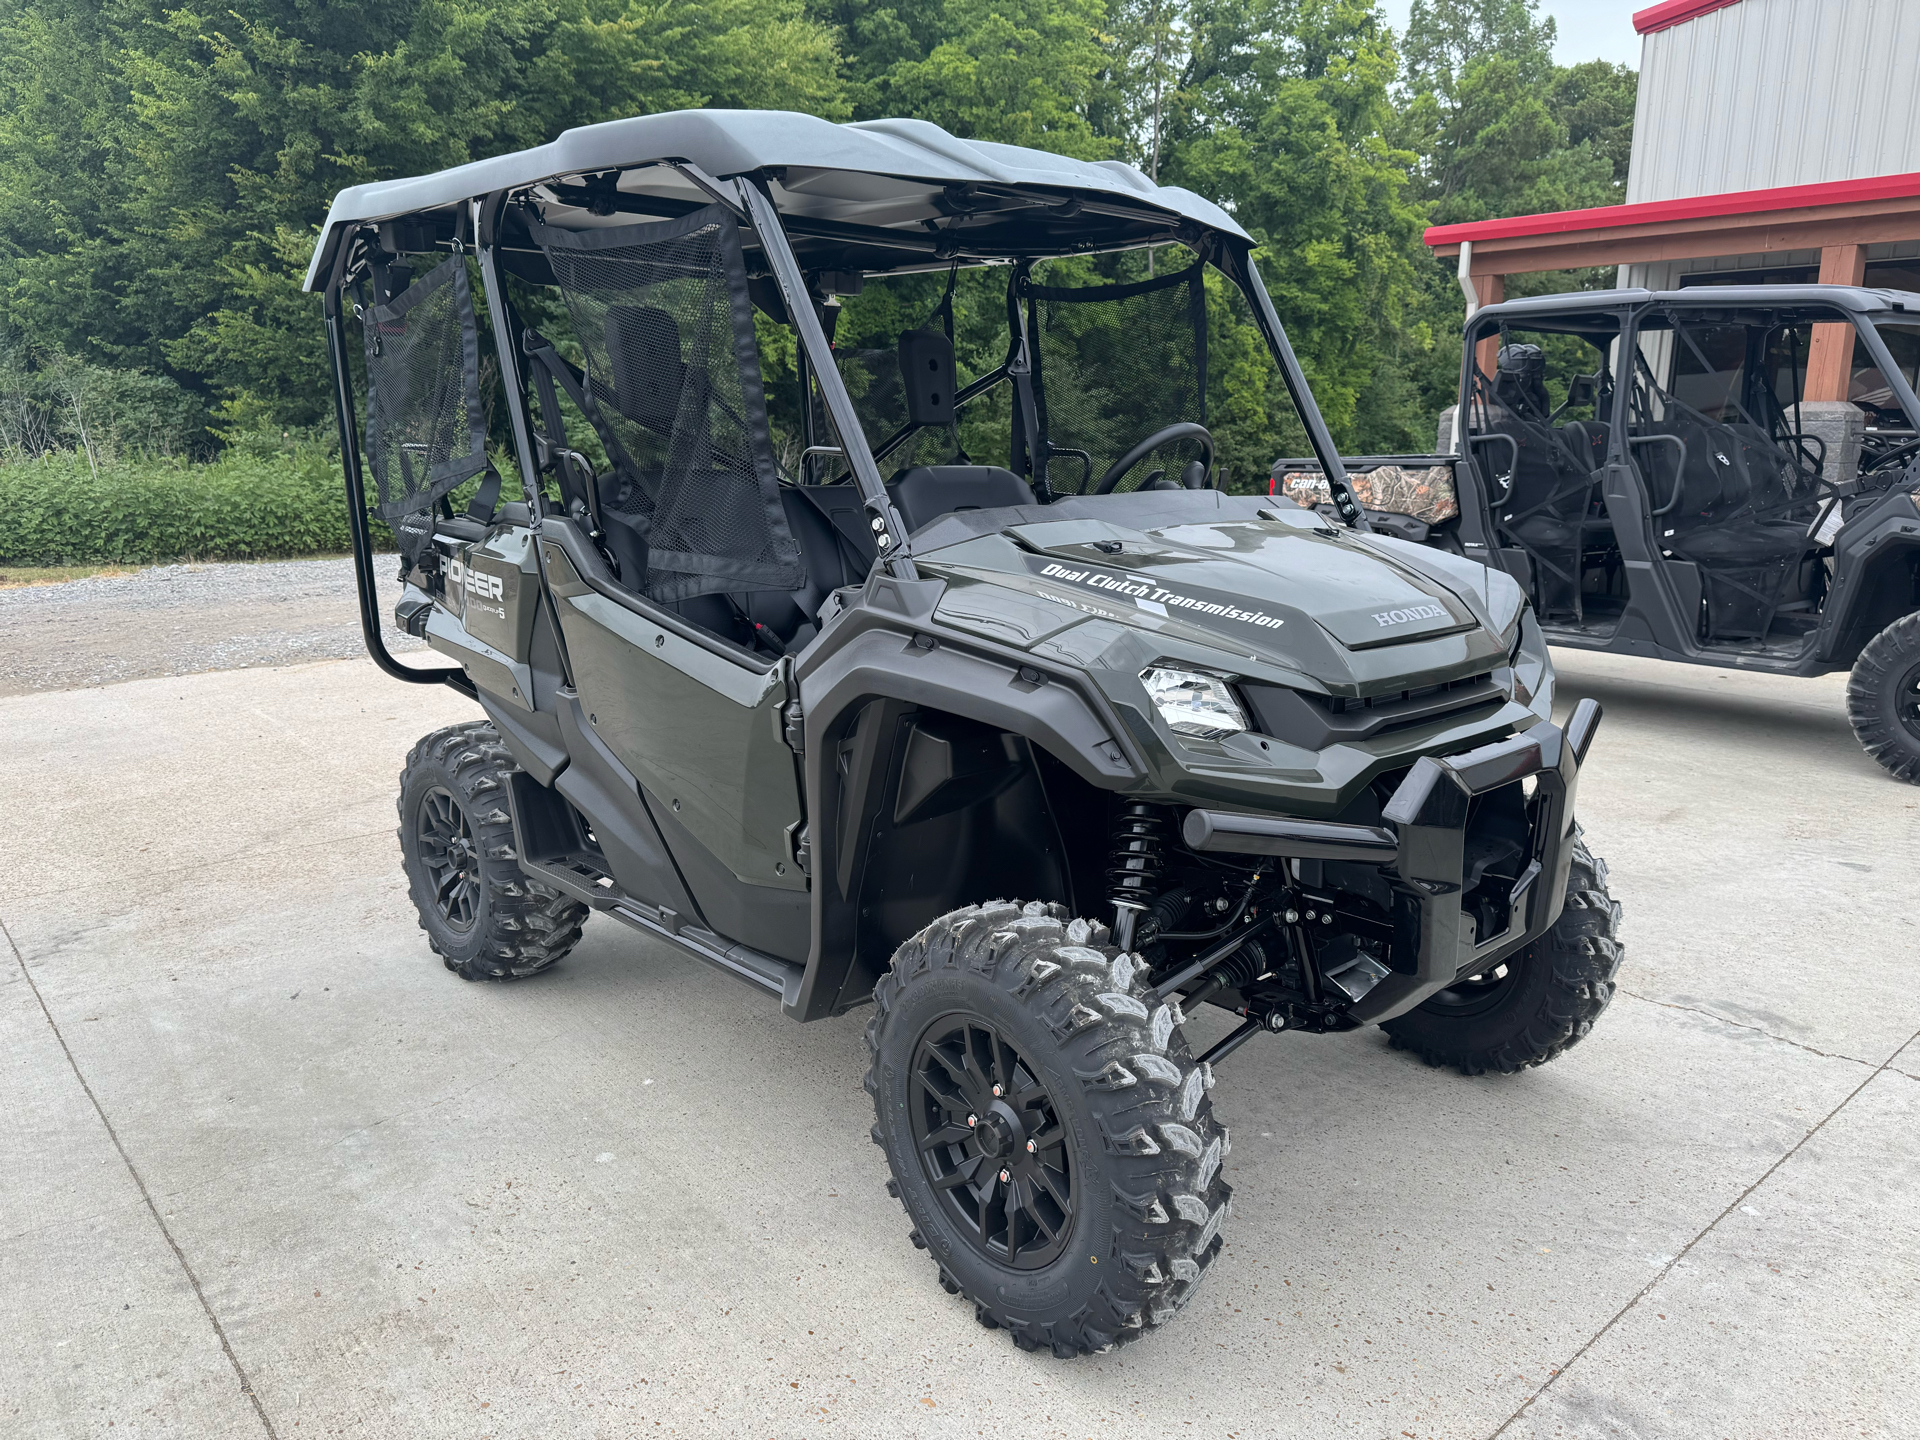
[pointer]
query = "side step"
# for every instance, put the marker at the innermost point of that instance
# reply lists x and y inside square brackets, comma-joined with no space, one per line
[579,874]
[568,862]
[768,973]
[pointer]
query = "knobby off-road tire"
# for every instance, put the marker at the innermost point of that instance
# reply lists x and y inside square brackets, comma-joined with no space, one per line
[483,916]
[1125,1114]
[1882,699]
[1545,998]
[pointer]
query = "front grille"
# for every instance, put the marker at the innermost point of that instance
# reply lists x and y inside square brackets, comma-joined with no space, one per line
[1318,721]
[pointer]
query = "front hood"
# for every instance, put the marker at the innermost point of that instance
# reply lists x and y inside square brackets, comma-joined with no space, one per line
[1282,589]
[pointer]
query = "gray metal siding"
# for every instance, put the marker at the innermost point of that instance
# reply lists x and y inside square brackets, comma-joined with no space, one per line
[1778,92]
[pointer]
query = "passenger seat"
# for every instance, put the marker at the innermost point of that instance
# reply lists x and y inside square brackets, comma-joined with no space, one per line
[837,547]
[927,492]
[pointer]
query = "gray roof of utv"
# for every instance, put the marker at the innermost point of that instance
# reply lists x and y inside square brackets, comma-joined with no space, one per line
[1846,297]
[733,142]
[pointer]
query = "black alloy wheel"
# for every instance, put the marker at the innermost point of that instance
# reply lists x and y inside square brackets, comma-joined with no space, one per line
[1474,995]
[1010,1025]
[484,916]
[1884,699]
[447,851]
[1535,1003]
[991,1143]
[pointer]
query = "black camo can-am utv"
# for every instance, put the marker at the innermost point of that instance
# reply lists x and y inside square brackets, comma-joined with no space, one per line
[966,695]
[1650,466]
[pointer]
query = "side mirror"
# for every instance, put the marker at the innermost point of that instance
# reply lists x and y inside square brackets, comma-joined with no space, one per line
[1580,391]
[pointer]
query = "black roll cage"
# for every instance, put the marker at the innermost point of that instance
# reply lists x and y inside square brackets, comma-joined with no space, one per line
[747,196]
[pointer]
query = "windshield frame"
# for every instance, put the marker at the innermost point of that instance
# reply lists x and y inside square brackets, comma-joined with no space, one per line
[1231,259]
[1867,326]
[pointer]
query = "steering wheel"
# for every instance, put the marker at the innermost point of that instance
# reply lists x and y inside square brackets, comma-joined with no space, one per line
[1166,435]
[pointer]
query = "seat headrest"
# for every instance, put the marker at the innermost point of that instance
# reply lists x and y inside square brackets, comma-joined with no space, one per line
[643,347]
[927,373]
[926,492]
[1520,380]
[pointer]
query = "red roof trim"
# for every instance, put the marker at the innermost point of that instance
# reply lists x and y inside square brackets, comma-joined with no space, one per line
[1695,207]
[1670,13]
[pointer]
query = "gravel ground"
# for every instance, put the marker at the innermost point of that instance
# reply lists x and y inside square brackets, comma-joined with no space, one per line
[179,619]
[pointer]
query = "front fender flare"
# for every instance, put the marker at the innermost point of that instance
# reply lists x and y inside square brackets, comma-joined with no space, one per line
[875,659]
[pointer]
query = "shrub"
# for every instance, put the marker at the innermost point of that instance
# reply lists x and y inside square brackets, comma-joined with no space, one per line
[51,402]
[246,505]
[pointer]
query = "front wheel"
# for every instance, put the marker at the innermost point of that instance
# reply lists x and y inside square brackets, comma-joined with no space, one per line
[1048,1130]
[1537,1003]
[1884,699]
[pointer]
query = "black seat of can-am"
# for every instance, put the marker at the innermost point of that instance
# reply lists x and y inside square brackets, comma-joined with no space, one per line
[1549,508]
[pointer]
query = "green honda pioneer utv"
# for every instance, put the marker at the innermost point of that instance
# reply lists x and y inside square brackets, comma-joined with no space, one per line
[782,666]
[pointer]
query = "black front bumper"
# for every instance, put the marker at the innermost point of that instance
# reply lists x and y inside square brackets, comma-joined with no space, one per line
[1420,851]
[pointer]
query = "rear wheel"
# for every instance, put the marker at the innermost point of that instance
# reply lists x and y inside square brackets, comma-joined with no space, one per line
[1884,699]
[1539,1001]
[483,915]
[1048,1130]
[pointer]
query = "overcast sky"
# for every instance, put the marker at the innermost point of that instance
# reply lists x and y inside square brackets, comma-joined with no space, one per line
[1587,29]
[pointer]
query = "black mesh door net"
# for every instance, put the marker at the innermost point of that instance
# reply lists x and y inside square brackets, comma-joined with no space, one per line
[1112,365]
[426,432]
[662,315]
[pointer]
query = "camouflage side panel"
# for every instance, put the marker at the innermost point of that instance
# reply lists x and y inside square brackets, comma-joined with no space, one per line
[1426,494]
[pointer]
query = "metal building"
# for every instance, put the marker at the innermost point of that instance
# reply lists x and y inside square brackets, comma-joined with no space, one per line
[1750,95]
[1774,141]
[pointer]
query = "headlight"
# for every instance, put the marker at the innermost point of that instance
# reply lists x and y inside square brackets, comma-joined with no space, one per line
[1193,702]
[1533,672]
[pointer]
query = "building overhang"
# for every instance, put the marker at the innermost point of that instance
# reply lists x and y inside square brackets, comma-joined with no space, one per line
[1792,217]
[1670,13]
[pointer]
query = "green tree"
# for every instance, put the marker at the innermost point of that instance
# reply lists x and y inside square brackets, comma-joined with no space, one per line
[1020,72]
[163,170]
[1445,39]
[1498,129]
[1595,101]
[1282,116]
[208,144]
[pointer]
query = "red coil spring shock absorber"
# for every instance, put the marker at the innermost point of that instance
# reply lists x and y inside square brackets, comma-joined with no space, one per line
[1135,868]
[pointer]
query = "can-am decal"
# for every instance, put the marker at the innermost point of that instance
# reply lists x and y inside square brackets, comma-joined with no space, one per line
[1150,595]
[1410,613]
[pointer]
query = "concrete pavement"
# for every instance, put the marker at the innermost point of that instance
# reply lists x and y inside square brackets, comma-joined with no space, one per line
[269,1167]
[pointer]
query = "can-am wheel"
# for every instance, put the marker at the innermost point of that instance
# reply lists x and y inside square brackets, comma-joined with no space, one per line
[1048,1129]
[1884,699]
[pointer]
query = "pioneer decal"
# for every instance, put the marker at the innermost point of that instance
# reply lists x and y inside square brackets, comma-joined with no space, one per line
[1150,595]
[474,582]
[483,595]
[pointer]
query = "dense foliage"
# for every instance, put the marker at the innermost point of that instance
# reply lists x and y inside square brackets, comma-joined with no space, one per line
[243,505]
[163,170]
